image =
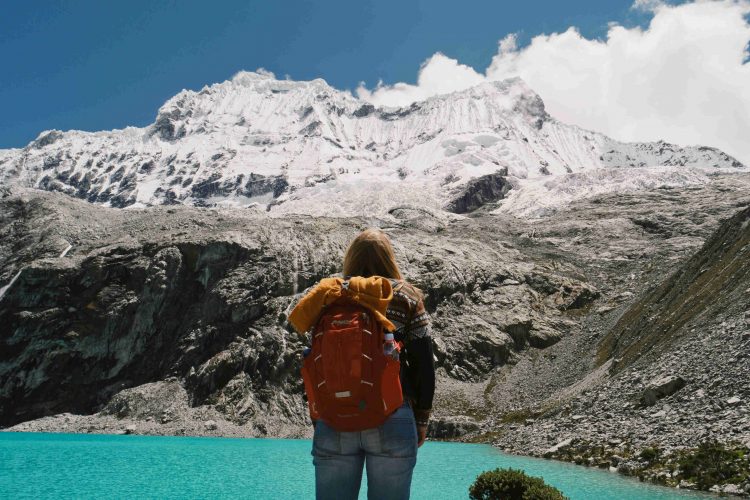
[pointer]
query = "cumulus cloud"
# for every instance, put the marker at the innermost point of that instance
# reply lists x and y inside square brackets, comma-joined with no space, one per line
[647,5]
[685,78]
[438,75]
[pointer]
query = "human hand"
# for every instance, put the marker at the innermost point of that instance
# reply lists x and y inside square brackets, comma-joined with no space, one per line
[421,434]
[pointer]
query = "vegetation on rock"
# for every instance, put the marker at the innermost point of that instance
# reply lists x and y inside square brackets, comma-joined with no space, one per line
[712,463]
[711,466]
[512,484]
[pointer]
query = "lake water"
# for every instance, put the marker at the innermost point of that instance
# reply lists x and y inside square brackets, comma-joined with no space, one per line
[102,466]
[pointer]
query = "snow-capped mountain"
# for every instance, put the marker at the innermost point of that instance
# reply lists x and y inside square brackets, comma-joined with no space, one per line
[305,147]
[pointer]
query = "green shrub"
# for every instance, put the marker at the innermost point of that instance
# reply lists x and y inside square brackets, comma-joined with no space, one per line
[650,455]
[511,484]
[711,464]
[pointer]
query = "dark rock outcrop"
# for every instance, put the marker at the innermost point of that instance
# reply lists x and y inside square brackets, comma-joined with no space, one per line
[480,191]
[451,427]
[154,300]
[259,185]
[364,110]
[47,138]
[661,388]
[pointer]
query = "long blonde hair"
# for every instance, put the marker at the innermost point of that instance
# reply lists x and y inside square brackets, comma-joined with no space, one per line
[371,254]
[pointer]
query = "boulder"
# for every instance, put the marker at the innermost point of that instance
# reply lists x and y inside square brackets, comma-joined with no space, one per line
[543,336]
[573,295]
[732,489]
[661,388]
[147,400]
[493,344]
[451,427]
[554,449]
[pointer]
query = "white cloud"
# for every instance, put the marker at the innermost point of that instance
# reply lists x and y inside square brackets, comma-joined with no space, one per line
[647,5]
[682,79]
[508,44]
[438,75]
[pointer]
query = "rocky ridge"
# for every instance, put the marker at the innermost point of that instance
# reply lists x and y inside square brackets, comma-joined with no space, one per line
[536,288]
[192,303]
[156,300]
[289,147]
[671,381]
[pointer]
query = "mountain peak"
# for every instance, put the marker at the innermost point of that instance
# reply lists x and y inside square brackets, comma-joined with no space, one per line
[289,146]
[244,77]
[263,80]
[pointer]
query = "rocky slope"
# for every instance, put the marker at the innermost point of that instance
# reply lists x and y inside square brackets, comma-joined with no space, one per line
[672,377]
[201,296]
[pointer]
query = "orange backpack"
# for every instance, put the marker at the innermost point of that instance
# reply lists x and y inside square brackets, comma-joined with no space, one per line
[350,382]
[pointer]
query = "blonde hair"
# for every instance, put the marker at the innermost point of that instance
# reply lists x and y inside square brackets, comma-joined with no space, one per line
[371,254]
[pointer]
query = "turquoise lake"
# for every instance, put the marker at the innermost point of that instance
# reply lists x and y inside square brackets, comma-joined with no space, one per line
[41,466]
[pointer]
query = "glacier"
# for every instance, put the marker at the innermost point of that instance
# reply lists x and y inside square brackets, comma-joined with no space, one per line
[302,147]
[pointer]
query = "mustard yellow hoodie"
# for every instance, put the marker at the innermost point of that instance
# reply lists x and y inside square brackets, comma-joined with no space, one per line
[373,293]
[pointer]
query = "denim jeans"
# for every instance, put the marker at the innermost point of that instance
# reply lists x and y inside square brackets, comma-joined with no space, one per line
[388,451]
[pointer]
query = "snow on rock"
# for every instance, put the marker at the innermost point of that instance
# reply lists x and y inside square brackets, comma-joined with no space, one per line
[305,147]
[543,196]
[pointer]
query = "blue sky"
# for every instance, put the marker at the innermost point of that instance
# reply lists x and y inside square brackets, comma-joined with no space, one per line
[95,65]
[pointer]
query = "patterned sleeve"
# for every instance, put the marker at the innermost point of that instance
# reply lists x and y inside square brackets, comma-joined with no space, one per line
[419,325]
[418,335]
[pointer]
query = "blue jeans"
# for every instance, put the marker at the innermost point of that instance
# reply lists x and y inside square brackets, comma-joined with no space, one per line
[389,451]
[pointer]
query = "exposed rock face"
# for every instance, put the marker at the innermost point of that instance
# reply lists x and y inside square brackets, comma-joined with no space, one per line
[160,310]
[452,427]
[706,286]
[203,296]
[673,362]
[47,138]
[546,332]
[152,401]
[480,191]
